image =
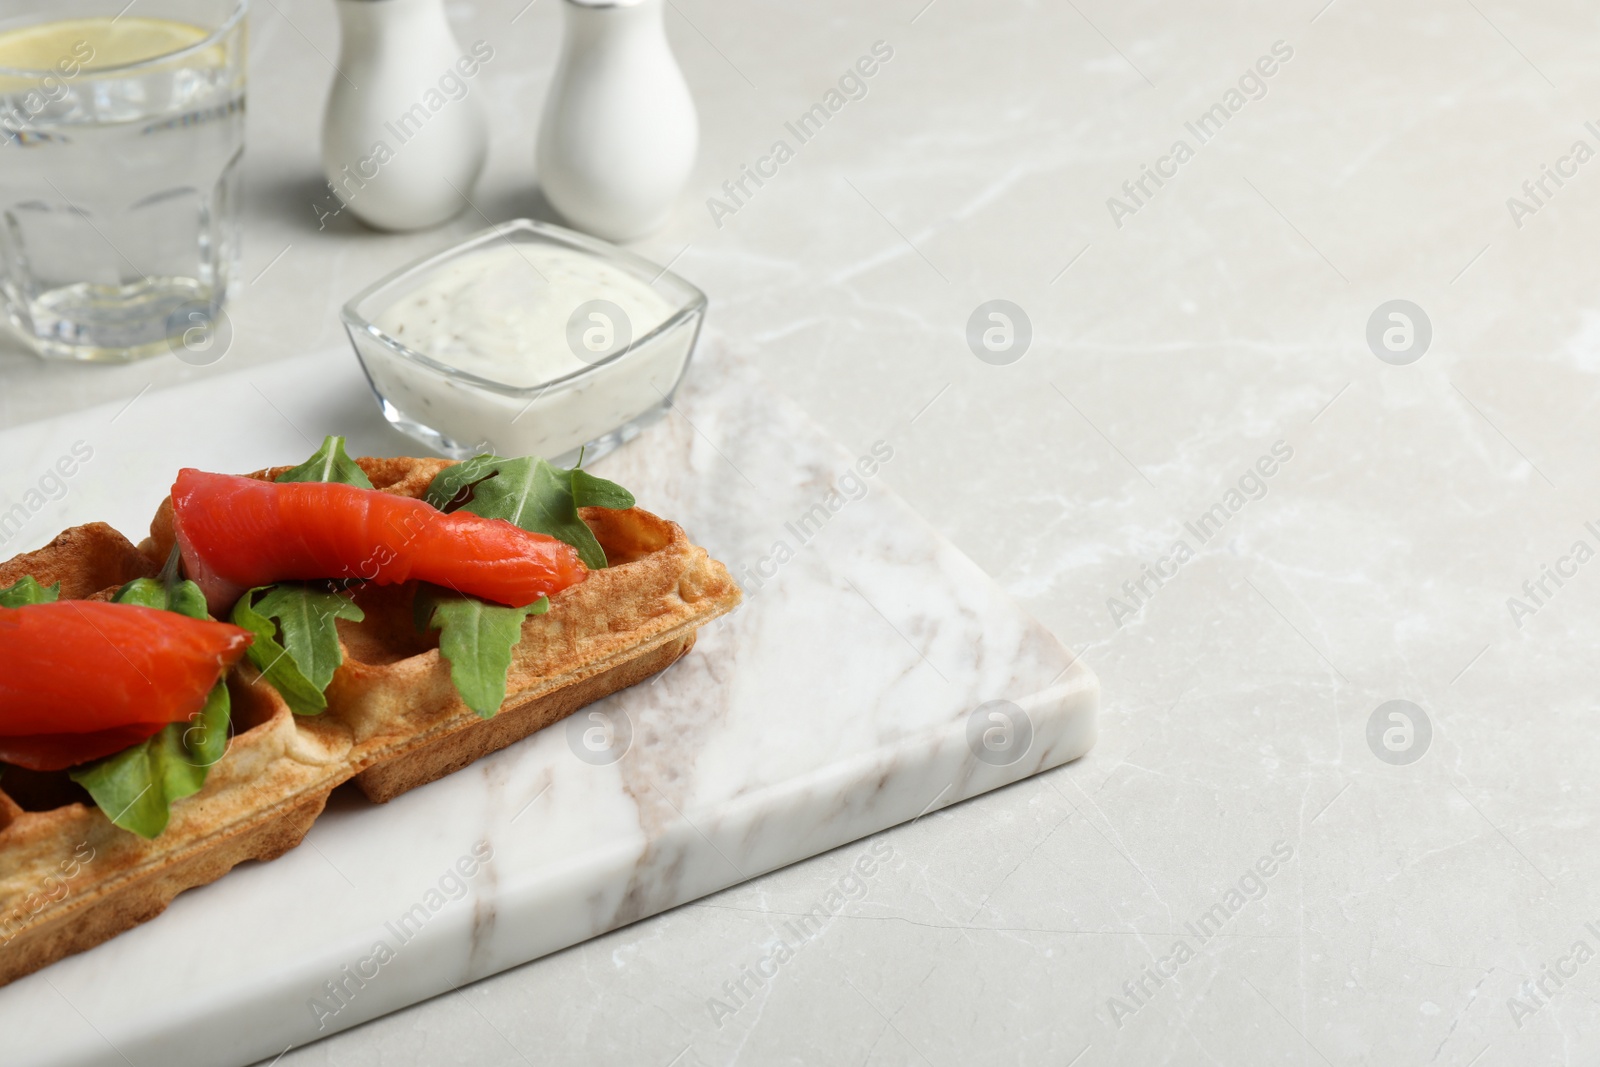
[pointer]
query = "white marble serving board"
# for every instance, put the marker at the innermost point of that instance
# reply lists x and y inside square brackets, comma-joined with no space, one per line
[835,703]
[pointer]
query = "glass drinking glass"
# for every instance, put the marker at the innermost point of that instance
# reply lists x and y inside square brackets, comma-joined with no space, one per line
[121,133]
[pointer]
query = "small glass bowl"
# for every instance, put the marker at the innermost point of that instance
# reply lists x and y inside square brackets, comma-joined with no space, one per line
[595,408]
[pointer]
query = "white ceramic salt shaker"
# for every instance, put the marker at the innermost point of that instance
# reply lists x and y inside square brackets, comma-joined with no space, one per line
[619,133]
[404,136]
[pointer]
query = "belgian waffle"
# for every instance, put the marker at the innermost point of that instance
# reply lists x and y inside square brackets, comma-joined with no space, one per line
[69,879]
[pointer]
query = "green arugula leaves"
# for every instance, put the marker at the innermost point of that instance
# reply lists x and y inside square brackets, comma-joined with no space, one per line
[300,651]
[136,787]
[27,590]
[532,493]
[296,647]
[296,644]
[477,637]
[330,463]
[165,592]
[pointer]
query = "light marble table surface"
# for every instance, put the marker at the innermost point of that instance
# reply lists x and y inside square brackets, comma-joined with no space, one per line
[1428,911]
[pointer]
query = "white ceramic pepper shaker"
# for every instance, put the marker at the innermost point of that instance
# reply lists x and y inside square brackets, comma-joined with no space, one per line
[619,133]
[404,136]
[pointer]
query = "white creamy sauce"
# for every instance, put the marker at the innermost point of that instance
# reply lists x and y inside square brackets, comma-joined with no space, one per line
[502,313]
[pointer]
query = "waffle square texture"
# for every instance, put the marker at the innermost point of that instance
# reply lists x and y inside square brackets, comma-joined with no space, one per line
[69,879]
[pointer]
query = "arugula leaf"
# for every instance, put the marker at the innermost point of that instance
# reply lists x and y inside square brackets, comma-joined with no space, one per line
[589,491]
[166,592]
[532,493]
[273,661]
[300,652]
[452,486]
[330,463]
[185,598]
[27,590]
[306,622]
[136,787]
[477,638]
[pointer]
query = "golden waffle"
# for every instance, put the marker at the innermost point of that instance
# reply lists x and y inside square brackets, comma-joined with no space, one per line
[69,879]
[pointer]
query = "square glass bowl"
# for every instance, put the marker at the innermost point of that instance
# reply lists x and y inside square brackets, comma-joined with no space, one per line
[447,394]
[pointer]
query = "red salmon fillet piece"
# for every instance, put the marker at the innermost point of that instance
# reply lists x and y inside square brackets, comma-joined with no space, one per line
[236,533]
[114,671]
[54,752]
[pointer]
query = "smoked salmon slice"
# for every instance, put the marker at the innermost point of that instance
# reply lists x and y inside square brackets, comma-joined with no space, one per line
[236,533]
[82,679]
[55,752]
